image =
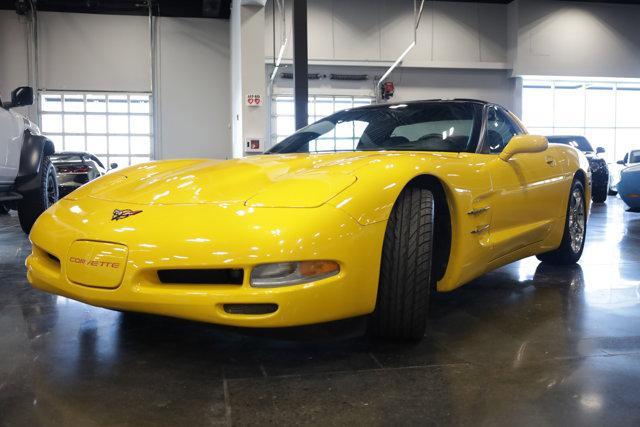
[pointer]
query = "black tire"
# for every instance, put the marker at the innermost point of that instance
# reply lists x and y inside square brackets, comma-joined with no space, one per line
[599,194]
[405,271]
[567,253]
[35,202]
[3,209]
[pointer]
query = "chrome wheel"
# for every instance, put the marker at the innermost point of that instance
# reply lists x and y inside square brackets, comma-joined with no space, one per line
[576,220]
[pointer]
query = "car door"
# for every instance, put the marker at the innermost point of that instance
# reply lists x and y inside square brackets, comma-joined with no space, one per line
[524,189]
[9,139]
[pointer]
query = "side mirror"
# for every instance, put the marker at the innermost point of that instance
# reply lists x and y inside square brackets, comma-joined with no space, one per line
[524,144]
[113,166]
[621,162]
[21,96]
[600,150]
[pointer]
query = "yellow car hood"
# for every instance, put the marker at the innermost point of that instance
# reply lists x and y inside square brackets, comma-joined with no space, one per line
[291,180]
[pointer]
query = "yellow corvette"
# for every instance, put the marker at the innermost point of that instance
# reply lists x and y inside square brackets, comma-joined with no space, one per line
[367,211]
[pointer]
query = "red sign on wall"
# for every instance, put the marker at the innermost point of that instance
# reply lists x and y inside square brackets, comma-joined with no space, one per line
[254,100]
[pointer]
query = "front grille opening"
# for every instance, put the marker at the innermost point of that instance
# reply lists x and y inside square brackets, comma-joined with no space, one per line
[218,276]
[250,308]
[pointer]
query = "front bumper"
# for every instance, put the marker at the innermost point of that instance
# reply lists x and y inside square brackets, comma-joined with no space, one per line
[213,236]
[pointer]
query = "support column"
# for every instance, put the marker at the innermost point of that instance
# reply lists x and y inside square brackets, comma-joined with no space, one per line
[248,74]
[300,63]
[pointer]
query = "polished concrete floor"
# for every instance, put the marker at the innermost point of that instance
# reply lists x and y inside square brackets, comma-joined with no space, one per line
[528,344]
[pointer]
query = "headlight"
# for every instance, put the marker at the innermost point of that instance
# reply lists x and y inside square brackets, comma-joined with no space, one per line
[292,273]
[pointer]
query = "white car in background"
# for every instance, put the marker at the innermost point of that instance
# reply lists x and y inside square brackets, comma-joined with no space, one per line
[28,180]
[630,159]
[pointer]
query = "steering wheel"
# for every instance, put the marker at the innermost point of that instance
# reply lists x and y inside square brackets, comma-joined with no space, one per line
[430,136]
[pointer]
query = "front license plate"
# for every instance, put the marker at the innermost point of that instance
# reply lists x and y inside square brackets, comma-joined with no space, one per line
[96,264]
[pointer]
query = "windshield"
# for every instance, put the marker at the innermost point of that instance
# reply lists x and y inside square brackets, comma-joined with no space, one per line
[578,142]
[436,126]
[66,158]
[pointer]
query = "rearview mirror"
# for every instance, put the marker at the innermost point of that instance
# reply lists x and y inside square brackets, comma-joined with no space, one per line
[21,96]
[113,165]
[600,150]
[524,144]
[621,162]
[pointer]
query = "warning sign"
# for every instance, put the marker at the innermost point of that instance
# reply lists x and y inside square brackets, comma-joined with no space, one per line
[254,100]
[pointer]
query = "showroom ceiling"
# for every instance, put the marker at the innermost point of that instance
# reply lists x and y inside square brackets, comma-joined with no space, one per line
[184,8]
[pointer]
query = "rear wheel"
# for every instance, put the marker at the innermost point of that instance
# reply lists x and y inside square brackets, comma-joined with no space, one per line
[35,202]
[600,194]
[3,209]
[405,270]
[575,230]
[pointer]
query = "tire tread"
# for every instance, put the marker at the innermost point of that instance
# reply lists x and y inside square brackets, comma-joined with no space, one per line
[405,272]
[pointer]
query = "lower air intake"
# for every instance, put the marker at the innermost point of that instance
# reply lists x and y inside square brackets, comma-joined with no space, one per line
[250,308]
[218,276]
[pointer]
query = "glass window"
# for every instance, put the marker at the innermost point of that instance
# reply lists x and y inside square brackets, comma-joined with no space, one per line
[580,143]
[600,105]
[606,113]
[537,104]
[110,126]
[51,102]
[627,140]
[568,106]
[429,126]
[627,101]
[500,130]
[283,118]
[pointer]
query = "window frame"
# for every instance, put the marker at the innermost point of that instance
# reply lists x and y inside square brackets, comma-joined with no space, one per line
[482,144]
[614,132]
[132,156]
[273,128]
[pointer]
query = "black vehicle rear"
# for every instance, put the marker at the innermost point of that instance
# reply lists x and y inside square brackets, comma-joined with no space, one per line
[75,170]
[598,165]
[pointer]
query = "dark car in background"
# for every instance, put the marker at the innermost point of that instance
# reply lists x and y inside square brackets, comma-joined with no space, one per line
[598,165]
[76,169]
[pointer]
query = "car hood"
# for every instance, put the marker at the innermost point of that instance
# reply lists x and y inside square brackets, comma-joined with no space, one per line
[633,169]
[288,180]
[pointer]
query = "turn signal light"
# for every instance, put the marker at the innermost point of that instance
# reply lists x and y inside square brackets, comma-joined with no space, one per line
[292,273]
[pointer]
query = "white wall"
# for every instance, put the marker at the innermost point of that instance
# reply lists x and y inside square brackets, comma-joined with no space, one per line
[193,88]
[451,34]
[415,84]
[80,51]
[532,37]
[112,53]
[13,53]
[559,38]
[247,74]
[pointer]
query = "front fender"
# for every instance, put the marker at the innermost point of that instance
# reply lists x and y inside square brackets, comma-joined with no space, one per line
[465,184]
[34,148]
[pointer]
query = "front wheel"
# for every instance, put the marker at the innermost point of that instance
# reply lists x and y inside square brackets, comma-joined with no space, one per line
[575,230]
[405,270]
[35,202]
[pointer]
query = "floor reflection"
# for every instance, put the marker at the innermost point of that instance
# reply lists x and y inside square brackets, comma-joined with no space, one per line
[529,343]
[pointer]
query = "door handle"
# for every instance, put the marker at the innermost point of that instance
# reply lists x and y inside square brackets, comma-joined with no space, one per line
[550,161]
